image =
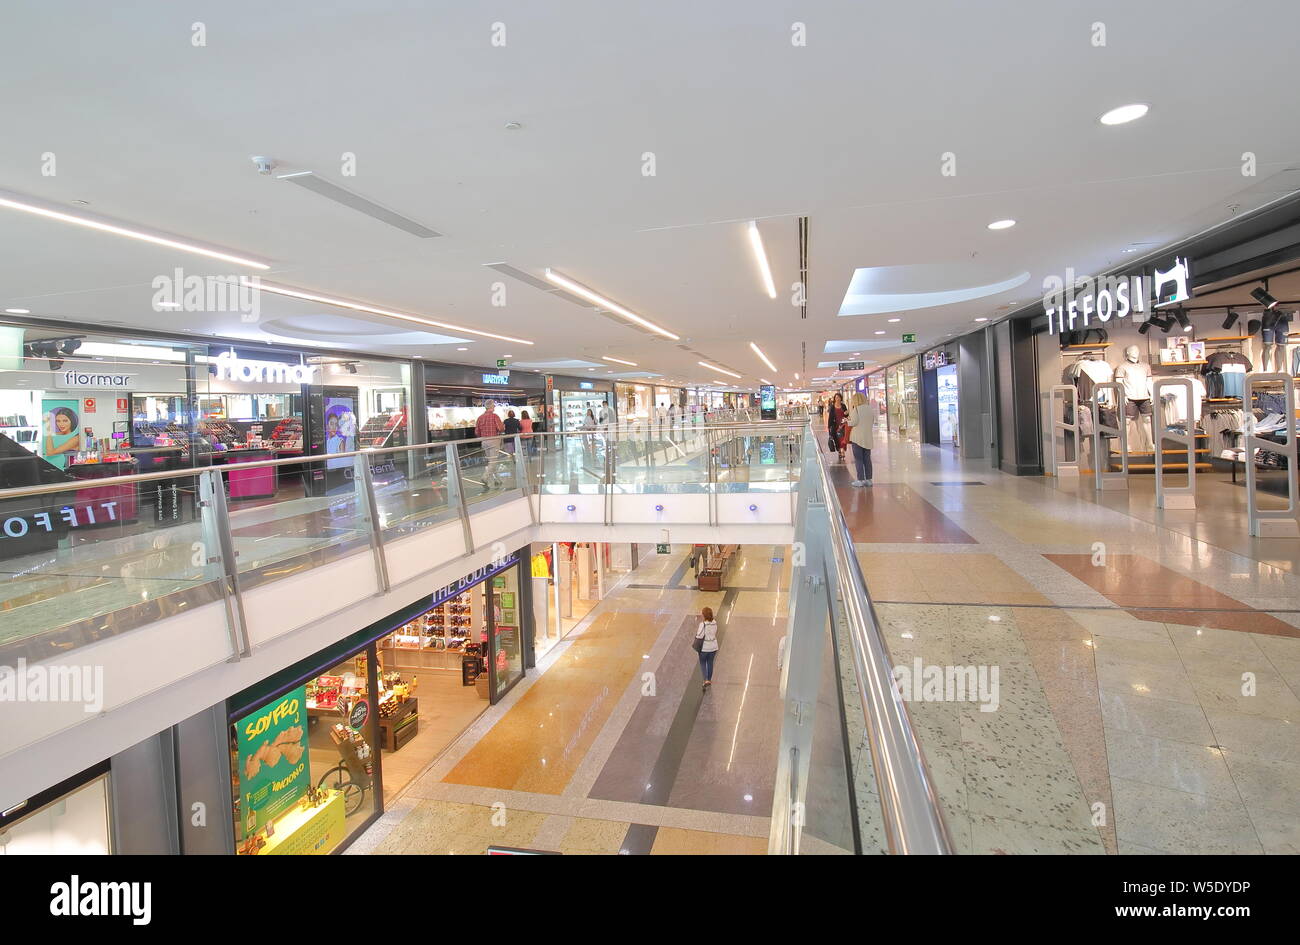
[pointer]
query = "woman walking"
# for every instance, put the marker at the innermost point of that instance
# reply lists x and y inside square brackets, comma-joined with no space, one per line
[706,644]
[835,418]
[862,432]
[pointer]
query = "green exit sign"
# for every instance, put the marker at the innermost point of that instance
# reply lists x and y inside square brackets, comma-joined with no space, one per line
[908,339]
[662,549]
[501,362]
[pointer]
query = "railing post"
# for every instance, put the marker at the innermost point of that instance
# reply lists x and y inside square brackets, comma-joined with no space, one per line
[456,494]
[363,481]
[610,466]
[523,478]
[215,520]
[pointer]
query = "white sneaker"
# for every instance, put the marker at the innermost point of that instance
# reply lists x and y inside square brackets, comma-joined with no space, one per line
[866,482]
[857,482]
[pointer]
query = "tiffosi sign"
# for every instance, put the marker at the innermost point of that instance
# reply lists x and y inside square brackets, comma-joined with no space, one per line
[1071,305]
[228,366]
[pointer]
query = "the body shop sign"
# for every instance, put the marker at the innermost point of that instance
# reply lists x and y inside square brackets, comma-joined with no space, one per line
[1072,305]
[274,768]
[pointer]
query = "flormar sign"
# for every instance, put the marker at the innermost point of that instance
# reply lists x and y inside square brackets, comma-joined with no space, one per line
[91,380]
[228,366]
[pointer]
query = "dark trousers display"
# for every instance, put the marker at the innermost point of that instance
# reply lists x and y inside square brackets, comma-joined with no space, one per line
[862,459]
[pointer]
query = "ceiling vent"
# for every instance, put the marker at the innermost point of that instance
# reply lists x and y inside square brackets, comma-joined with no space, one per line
[309,180]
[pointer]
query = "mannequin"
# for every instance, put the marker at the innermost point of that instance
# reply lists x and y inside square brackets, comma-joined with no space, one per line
[1136,378]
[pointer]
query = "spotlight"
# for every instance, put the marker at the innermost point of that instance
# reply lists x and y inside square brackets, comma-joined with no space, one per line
[351,367]
[1183,320]
[69,345]
[1252,326]
[1166,323]
[1144,328]
[1230,320]
[1261,296]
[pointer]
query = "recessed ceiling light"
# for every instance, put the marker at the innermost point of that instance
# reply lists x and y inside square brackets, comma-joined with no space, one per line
[462,349]
[577,288]
[981,319]
[591,369]
[1002,224]
[880,331]
[605,357]
[116,230]
[895,319]
[359,307]
[1124,114]
[19,311]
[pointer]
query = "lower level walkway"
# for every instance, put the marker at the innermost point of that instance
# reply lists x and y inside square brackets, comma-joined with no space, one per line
[1148,666]
[614,746]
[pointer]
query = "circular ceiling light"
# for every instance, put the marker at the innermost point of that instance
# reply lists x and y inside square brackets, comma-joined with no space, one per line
[1002,224]
[1124,114]
[19,311]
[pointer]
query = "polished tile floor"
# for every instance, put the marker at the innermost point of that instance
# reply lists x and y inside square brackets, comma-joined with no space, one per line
[613,746]
[1148,663]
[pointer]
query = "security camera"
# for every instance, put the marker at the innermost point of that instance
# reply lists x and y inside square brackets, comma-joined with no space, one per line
[264,165]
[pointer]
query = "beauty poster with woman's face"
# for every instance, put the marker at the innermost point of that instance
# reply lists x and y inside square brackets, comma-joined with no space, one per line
[61,436]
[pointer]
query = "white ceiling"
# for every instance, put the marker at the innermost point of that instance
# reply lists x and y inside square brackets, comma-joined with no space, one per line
[849,130]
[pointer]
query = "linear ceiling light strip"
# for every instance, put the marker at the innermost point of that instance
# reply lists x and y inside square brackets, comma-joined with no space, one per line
[577,288]
[103,227]
[361,307]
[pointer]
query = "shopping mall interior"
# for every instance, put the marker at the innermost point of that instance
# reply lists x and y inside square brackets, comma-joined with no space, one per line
[700,429]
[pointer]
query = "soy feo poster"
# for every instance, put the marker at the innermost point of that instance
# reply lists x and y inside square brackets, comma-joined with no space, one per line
[274,766]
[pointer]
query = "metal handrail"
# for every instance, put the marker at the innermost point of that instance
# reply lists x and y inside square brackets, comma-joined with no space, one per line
[58,487]
[913,817]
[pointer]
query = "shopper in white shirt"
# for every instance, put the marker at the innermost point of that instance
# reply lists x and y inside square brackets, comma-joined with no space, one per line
[708,633]
[862,433]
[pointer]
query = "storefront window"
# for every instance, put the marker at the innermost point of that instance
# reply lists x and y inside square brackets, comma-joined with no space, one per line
[75,823]
[305,766]
[314,764]
[507,651]
[904,402]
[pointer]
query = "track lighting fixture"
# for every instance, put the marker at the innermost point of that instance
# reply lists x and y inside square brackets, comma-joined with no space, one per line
[1230,320]
[1261,296]
[1183,320]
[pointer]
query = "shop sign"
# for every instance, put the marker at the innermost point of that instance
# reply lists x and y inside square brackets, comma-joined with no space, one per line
[469,580]
[496,378]
[19,525]
[586,385]
[1070,307]
[360,712]
[935,359]
[91,380]
[229,366]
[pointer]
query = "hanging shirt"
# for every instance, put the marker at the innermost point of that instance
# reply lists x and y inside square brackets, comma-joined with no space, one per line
[1176,401]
